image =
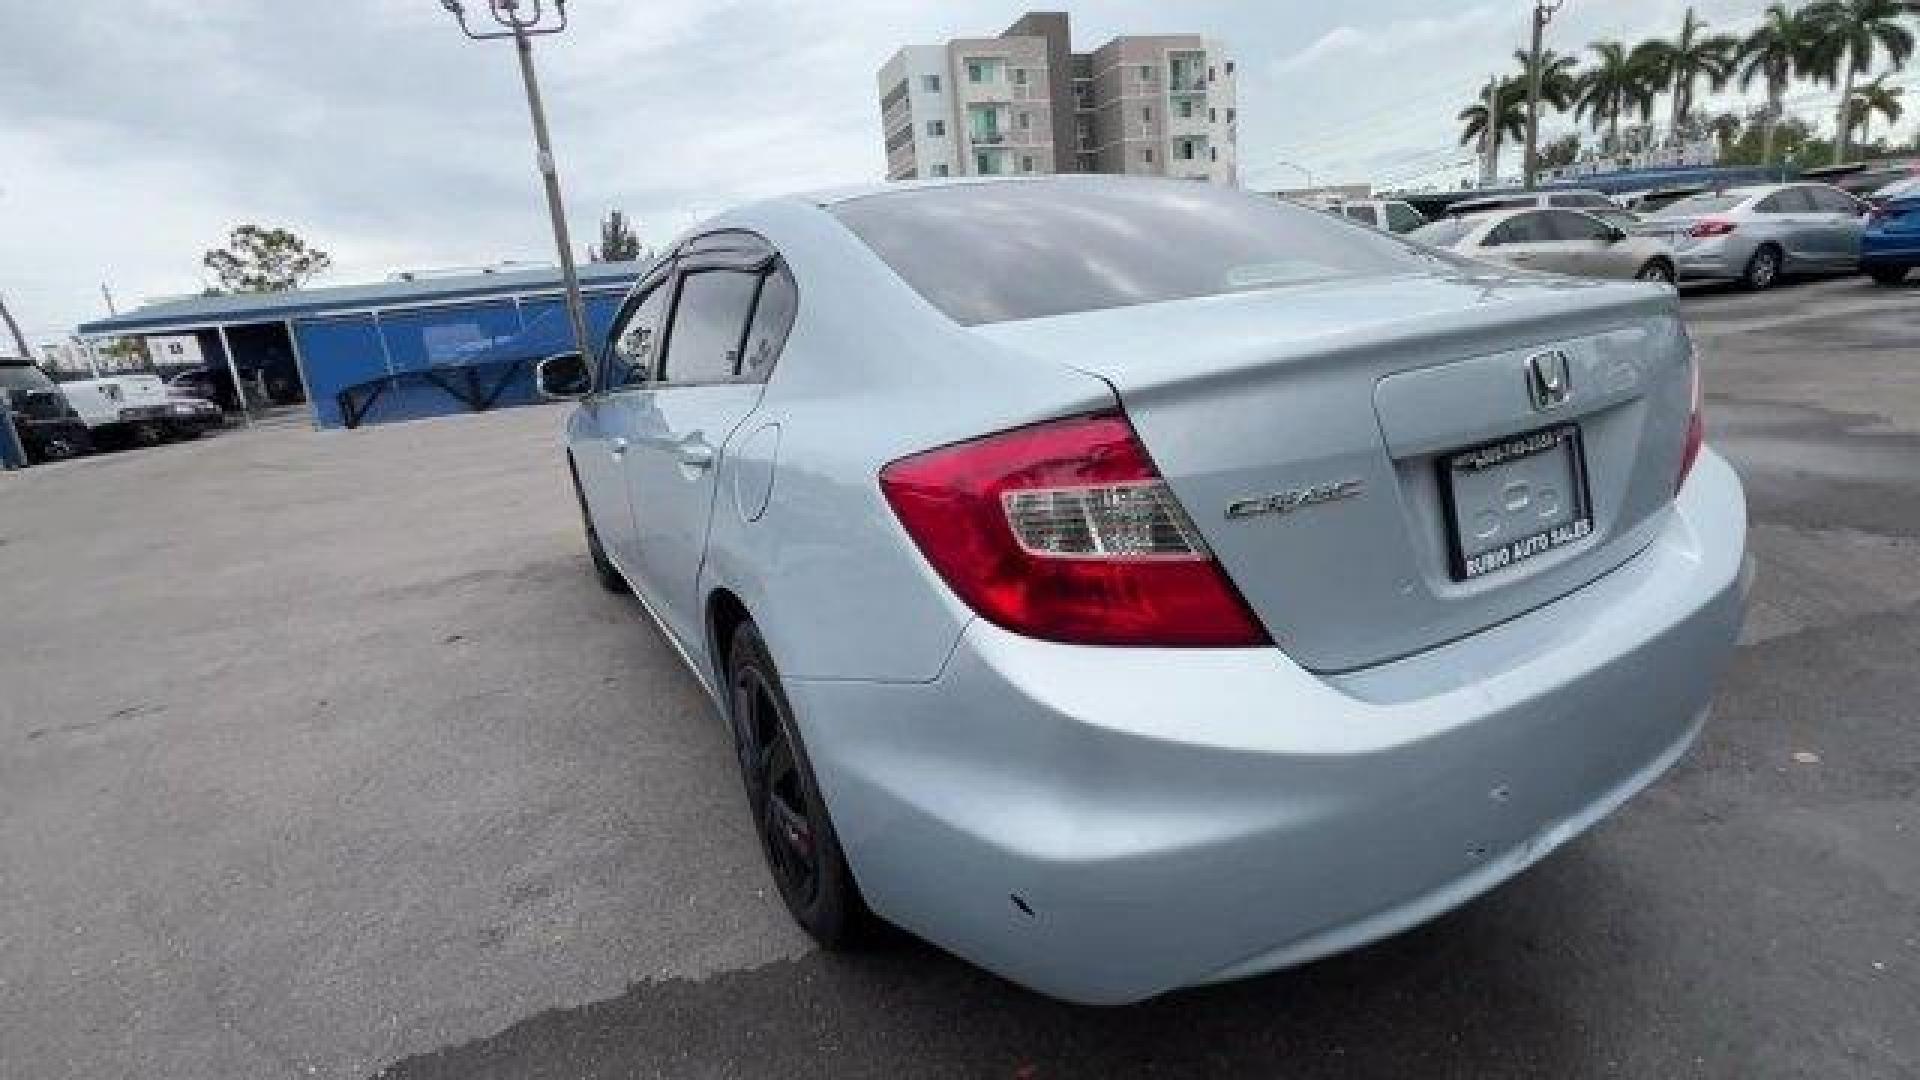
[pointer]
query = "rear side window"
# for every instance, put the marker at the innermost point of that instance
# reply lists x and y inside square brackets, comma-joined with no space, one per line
[1571,225]
[987,253]
[1360,213]
[1520,229]
[708,324]
[1790,201]
[1445,232]
[772,317]
[1832,201]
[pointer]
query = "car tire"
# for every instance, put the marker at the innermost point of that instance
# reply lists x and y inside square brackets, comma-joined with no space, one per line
[1887,275]
[147,433]
[608,574]
[1657,270]
[1763,269]
[797,837]
[54,448]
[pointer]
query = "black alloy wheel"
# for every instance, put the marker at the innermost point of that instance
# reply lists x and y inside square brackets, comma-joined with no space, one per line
[796,835]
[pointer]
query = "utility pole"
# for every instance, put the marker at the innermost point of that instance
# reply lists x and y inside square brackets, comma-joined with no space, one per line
[108,294]
[523,20]
[1490,135]
[1543,12]
[19,339]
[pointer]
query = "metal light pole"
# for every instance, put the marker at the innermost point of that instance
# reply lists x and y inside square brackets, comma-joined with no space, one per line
[1543,12]
[523,20]
[1312,185]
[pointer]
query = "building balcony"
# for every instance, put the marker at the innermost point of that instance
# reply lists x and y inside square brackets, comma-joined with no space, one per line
[1193,85]
[987,138]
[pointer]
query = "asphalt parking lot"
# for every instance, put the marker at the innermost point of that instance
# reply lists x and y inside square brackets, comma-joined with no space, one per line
[321,754]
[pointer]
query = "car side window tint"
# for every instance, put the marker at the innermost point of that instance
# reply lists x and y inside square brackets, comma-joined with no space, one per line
[1363,214]
[1576,227]
[1831,201]
[1789,201]
[709,323]
[635,339]
[1401,217]
[773,316]
[1519,229]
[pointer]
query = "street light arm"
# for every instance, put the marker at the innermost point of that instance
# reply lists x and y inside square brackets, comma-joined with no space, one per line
[516,18]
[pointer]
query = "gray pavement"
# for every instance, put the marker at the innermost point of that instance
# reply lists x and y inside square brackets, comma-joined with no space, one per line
[322,755]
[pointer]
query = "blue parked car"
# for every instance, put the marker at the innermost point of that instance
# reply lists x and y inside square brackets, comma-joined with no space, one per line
[1891,244]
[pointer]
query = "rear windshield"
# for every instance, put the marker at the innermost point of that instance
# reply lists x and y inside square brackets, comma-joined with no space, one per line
[1444,233]
[1702,204]
[993,252]
[1579,199]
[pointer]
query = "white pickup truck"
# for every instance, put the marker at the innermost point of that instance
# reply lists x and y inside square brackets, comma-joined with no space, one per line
[138,409]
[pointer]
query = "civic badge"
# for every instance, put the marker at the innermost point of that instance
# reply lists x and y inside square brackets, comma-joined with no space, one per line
[1547,381]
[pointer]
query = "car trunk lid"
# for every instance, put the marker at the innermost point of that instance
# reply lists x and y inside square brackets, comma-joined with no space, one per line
[1307,432]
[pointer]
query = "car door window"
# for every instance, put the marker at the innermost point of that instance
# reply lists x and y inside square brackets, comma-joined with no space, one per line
[1360,213]
[1572,227]
[709,323]
[1403,218]
[635,339]
[1519,229]
[1831,201]
[1789,201]
[773,314]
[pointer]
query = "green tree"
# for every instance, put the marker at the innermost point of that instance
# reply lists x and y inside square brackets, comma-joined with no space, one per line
[1614,85]
[1561,152]
[1676,66]
[1875,97]
[1780,49]
[264,260]
[1509,122]
[1559,81]
[1848,34]
[618,241]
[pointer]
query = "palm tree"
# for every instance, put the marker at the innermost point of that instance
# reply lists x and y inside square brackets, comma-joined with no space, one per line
[1613,85]
[1780,48]
[1675,66]
[1558,80]
[1848,32]
[1509,122]
[1875,97]
[1726,129]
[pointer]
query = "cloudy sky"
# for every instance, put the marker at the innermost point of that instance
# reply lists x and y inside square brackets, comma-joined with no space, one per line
[135,133]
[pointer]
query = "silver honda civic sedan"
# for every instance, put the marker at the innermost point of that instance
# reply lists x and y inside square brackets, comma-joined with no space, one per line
[1758,235]
[1129,584]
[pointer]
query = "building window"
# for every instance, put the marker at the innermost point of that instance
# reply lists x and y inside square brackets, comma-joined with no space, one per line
[931,82]
[1229,67]
[1026,162]
[940,168]
[1146,114]
[1026,121]
[1209,74]
[983,164]
[1185,149]
[1146,154]
[936,129]
[1186,107]
[1146,73]
[1019,76]
[1213,154]
[1229,116]
[977,72]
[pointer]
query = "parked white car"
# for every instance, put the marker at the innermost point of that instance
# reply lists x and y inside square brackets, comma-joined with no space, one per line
[138,409]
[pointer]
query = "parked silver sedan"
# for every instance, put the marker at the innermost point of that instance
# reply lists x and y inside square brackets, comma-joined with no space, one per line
[1554,240]
[1129,584]
[1757,235]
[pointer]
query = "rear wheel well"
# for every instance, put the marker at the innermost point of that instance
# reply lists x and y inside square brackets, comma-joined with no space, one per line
[725,614]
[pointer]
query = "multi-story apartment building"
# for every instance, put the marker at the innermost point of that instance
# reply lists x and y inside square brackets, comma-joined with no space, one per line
[1025,102]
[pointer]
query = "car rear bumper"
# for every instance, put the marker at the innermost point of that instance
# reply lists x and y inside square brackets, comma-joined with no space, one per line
[1104,825]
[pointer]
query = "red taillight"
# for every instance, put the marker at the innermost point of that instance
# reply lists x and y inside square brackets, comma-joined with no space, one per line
[1710,227]
[1696,426]
[1065,531]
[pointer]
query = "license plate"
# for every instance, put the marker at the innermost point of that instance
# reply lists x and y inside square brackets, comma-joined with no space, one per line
[1515,499]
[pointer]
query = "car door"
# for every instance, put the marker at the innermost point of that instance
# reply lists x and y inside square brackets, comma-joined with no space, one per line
[1791,223]
[1841,216]
[603,434]
[705,385]
[1585,244]
[1526,240]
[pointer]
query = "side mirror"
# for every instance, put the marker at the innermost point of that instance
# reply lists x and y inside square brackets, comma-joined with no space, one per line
[1615,234]
[563,377]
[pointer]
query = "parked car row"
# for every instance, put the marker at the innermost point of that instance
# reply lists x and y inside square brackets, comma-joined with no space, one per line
[62,420]
[1754,235]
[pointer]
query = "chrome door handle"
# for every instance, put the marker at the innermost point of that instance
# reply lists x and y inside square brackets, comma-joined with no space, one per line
[696,455]
[618,447]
